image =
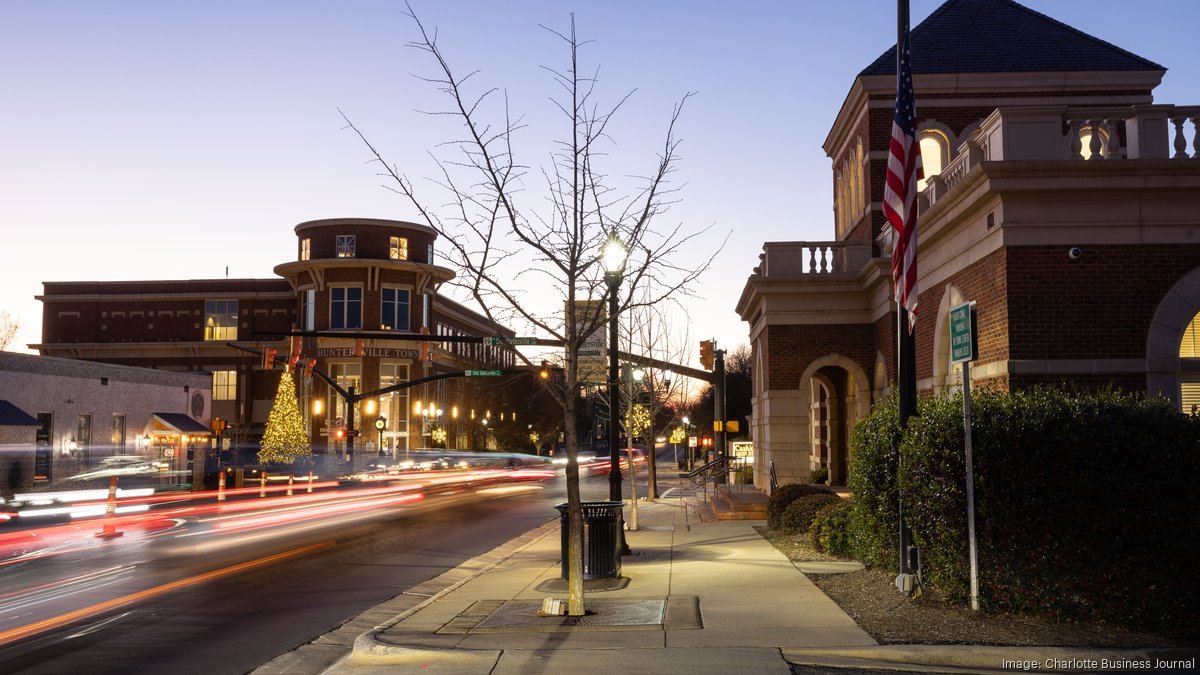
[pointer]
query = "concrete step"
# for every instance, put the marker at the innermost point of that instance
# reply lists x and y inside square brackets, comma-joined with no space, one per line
[704,511]
[728,506]
[739,503]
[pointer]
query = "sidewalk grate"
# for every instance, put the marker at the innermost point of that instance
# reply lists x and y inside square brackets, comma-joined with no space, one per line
[522,616]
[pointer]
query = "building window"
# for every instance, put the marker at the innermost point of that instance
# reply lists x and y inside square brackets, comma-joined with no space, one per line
[429,255]
[118,432]
[345,245]
[393,312]
[45,422]
[345,307]
[1189,387]
[397,248]
[220,319]
[394,405]
[83,430]
[346,375]
[306,249]
[935,155]
[224,385]
[850,193]
[308,310]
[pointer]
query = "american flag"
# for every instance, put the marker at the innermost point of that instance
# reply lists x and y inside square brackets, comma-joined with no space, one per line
[900,191]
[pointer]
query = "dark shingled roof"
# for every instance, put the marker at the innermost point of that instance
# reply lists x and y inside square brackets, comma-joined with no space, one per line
[12,416]
[1000,36]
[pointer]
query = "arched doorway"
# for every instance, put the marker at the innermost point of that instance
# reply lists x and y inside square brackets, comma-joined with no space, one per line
[835,393]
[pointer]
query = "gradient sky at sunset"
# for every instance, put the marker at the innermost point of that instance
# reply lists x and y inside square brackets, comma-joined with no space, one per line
[173,140]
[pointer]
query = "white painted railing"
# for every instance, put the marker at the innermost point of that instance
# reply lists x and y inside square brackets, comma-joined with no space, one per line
[787,258]
[1036,133]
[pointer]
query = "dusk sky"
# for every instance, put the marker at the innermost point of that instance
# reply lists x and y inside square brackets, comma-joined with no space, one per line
[173,140]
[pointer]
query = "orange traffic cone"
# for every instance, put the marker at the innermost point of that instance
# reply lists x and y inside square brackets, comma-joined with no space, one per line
[262,485]
[310,479]
[221,485]
[291,479]
[110,512]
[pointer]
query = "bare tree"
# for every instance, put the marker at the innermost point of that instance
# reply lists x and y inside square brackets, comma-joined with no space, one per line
[503,244]
[9,328]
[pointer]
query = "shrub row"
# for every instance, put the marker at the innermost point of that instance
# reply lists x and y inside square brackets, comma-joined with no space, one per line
[1086,504]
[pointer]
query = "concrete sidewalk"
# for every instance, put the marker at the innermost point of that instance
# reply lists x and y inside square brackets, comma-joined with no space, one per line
[700,598]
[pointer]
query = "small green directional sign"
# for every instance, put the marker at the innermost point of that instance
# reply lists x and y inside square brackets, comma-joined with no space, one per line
[484,373]
[502,340]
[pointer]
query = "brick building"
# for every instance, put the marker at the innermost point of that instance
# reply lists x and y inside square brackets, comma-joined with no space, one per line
[350,275]
[1060,198]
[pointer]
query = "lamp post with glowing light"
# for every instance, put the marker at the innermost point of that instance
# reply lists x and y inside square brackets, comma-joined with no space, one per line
[613,259]
[380,425]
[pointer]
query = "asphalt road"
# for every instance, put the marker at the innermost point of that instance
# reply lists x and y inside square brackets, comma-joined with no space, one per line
[238,621]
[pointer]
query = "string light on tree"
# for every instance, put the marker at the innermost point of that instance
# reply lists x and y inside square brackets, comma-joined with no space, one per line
[285,438]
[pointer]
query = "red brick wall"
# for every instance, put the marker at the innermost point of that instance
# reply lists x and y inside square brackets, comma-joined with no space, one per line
[371,241]
[162,318]
[885,341]
[1096,307]
[794,348]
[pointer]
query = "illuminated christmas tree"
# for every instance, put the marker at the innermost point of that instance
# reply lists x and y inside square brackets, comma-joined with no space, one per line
[285,438]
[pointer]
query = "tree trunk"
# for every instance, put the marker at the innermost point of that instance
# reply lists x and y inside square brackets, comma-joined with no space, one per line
[575,599]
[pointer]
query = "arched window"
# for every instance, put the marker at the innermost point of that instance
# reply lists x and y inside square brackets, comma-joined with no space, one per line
[849,190]
[935,154]
[1189,384]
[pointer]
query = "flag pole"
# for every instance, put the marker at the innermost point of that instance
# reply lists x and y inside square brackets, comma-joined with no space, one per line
[906,352]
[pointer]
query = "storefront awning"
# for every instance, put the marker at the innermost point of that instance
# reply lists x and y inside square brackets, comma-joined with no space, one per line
[179,423]
[12,416]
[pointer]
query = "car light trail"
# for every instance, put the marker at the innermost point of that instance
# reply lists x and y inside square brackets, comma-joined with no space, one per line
[28,630]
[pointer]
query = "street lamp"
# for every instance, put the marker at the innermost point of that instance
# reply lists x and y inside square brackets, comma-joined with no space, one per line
[612,258]
[380,425]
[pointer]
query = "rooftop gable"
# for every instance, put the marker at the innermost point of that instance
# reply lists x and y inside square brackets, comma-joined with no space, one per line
[1001,36]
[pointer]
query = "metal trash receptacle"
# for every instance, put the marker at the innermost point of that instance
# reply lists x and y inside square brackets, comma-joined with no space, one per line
[601,539]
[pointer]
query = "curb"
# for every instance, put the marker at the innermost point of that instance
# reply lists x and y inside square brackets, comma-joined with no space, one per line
[368,649]
[956,658]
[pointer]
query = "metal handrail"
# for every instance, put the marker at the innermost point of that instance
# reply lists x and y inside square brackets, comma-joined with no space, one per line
[710,471]
[774,478]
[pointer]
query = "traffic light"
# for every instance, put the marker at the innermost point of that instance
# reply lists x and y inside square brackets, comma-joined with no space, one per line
[544,373]
[706,354]
[359,351]
[269,359]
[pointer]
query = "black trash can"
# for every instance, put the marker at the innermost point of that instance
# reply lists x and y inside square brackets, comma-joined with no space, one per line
[601,539]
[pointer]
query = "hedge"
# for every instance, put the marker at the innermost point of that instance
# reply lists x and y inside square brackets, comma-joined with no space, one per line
[1086,503]
[799,515]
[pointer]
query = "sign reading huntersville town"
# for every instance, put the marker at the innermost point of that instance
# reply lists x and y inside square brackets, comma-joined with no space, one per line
[377,352]
[962,333]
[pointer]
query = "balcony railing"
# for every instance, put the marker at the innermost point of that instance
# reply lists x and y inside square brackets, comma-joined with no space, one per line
[789,258]
[1036,133]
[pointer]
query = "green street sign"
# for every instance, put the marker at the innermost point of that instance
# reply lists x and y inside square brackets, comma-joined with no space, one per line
[484,373]
[502,340]
[962,333]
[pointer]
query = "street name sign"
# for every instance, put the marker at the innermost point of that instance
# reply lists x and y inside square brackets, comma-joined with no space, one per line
[484,373]
[502,340]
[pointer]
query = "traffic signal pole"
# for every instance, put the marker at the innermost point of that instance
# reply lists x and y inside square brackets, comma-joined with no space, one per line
[718,381]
